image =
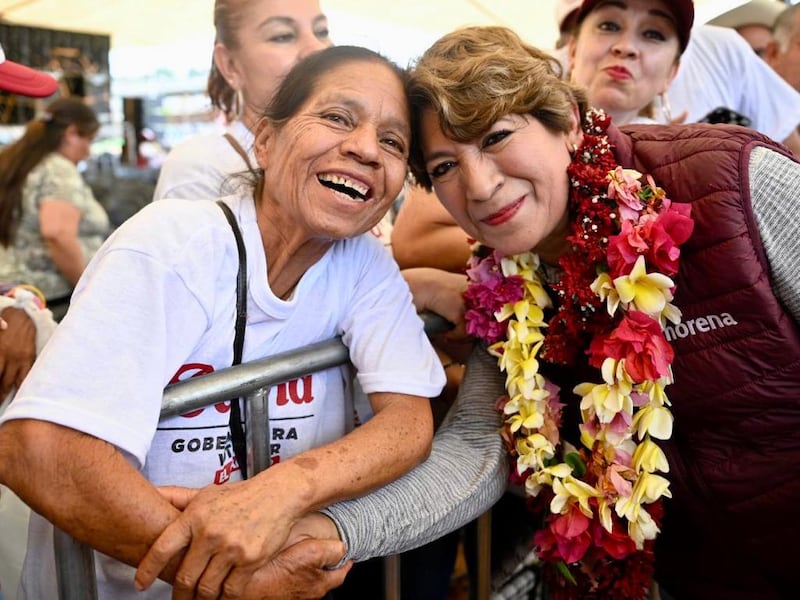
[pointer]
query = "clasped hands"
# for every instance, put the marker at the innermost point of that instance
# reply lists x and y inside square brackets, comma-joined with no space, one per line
[244,540]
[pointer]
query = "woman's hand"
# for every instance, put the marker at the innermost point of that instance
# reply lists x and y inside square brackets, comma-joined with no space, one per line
[17,349]
[441,292]
[229,532]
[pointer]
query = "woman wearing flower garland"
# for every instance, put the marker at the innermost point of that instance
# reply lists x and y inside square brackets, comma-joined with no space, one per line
[577,293]
[625,276]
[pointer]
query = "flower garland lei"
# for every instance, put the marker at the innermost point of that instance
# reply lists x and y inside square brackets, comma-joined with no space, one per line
[600,503]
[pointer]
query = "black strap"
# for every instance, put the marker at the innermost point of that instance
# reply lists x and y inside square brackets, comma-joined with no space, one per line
[237,431]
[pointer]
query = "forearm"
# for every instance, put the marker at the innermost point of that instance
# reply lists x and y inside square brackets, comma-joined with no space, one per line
[387,446]
[84,486]
[465,474]
[425,235]
[68,256]
[793,142]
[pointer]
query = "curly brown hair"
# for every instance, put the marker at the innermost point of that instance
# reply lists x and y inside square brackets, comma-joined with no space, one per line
[474,76]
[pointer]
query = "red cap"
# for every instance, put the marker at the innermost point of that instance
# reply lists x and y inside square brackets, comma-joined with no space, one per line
[19,79]
[682,11]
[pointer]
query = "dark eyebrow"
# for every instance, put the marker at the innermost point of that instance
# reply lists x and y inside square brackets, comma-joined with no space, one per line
[290,20]
[393,123]
[656,12]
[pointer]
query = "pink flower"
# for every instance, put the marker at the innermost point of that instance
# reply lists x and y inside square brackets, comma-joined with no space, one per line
[639,340]
[624,187]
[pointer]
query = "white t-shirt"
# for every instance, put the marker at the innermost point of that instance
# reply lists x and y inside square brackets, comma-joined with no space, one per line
[207,166]
[157,304]
[720,69]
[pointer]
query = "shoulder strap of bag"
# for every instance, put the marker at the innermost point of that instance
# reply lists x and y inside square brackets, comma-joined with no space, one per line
[235,422]
[239,150]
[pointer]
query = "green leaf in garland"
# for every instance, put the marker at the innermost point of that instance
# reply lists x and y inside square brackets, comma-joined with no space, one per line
[573,459]
[562,568]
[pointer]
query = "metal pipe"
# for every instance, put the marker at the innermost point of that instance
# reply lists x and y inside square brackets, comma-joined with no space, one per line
[75,576]
[75,561]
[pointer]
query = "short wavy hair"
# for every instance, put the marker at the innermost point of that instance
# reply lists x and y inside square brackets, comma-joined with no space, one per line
[474,76]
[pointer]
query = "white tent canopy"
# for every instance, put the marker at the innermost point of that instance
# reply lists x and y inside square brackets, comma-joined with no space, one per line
[397,28]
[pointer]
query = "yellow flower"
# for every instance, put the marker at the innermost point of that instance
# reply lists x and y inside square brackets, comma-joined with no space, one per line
[649,457]
[524,413]
[643,528]
[604,400]
[653,420]
[646,292]
[570,489]
[533,451]
[603,286]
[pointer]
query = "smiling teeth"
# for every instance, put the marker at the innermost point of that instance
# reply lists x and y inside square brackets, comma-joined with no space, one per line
[360,189]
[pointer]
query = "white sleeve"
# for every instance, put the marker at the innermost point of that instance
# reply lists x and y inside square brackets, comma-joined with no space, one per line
[192,172]
[773,189]
[381,328]
[719,69]
[772,104]
[465,474]
[131,322]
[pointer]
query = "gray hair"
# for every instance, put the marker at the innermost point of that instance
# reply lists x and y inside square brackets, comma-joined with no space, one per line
[784,26]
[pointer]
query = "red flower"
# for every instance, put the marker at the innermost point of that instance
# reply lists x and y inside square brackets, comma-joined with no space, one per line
[640,341]
[618,543]
[657,237]
[566,537]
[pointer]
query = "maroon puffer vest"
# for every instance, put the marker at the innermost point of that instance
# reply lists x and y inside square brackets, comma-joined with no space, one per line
[731,529]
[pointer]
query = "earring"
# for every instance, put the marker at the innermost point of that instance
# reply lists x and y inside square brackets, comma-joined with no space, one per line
[666,110]
[574,150]
[237,108]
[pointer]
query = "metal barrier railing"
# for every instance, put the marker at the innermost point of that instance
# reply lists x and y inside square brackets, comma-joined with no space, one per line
[75,561]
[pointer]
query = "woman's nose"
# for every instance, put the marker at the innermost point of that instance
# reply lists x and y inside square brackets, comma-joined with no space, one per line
[482,179]
[362,143]
[312,43]
[625,47]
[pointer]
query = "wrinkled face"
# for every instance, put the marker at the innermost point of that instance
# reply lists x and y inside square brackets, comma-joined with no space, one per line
[275,36]
[508,188]
[787,64]
[334,168]
[757,36]
[625,55]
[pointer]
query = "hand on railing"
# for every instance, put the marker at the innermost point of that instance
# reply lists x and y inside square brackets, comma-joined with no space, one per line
[229,533]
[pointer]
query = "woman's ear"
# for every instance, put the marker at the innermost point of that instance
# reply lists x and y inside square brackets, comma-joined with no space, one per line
[574,136]
[671,76]
[226,64]
[573,42]
[262,135]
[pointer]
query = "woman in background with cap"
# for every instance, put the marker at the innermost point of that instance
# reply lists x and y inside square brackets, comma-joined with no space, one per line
[626,53]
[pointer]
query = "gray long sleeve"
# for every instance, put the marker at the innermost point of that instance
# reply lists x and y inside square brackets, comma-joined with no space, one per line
[774,183]
[464,476]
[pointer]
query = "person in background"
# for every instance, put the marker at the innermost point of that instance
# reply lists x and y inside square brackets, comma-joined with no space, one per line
[50,222]
[783,53]
[257,42]
[720,80]
[24,327]
[158,304]
[17,330]
[627,53]
[753,21]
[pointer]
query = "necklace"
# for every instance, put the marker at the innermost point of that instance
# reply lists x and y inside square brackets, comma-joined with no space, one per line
[599,500]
